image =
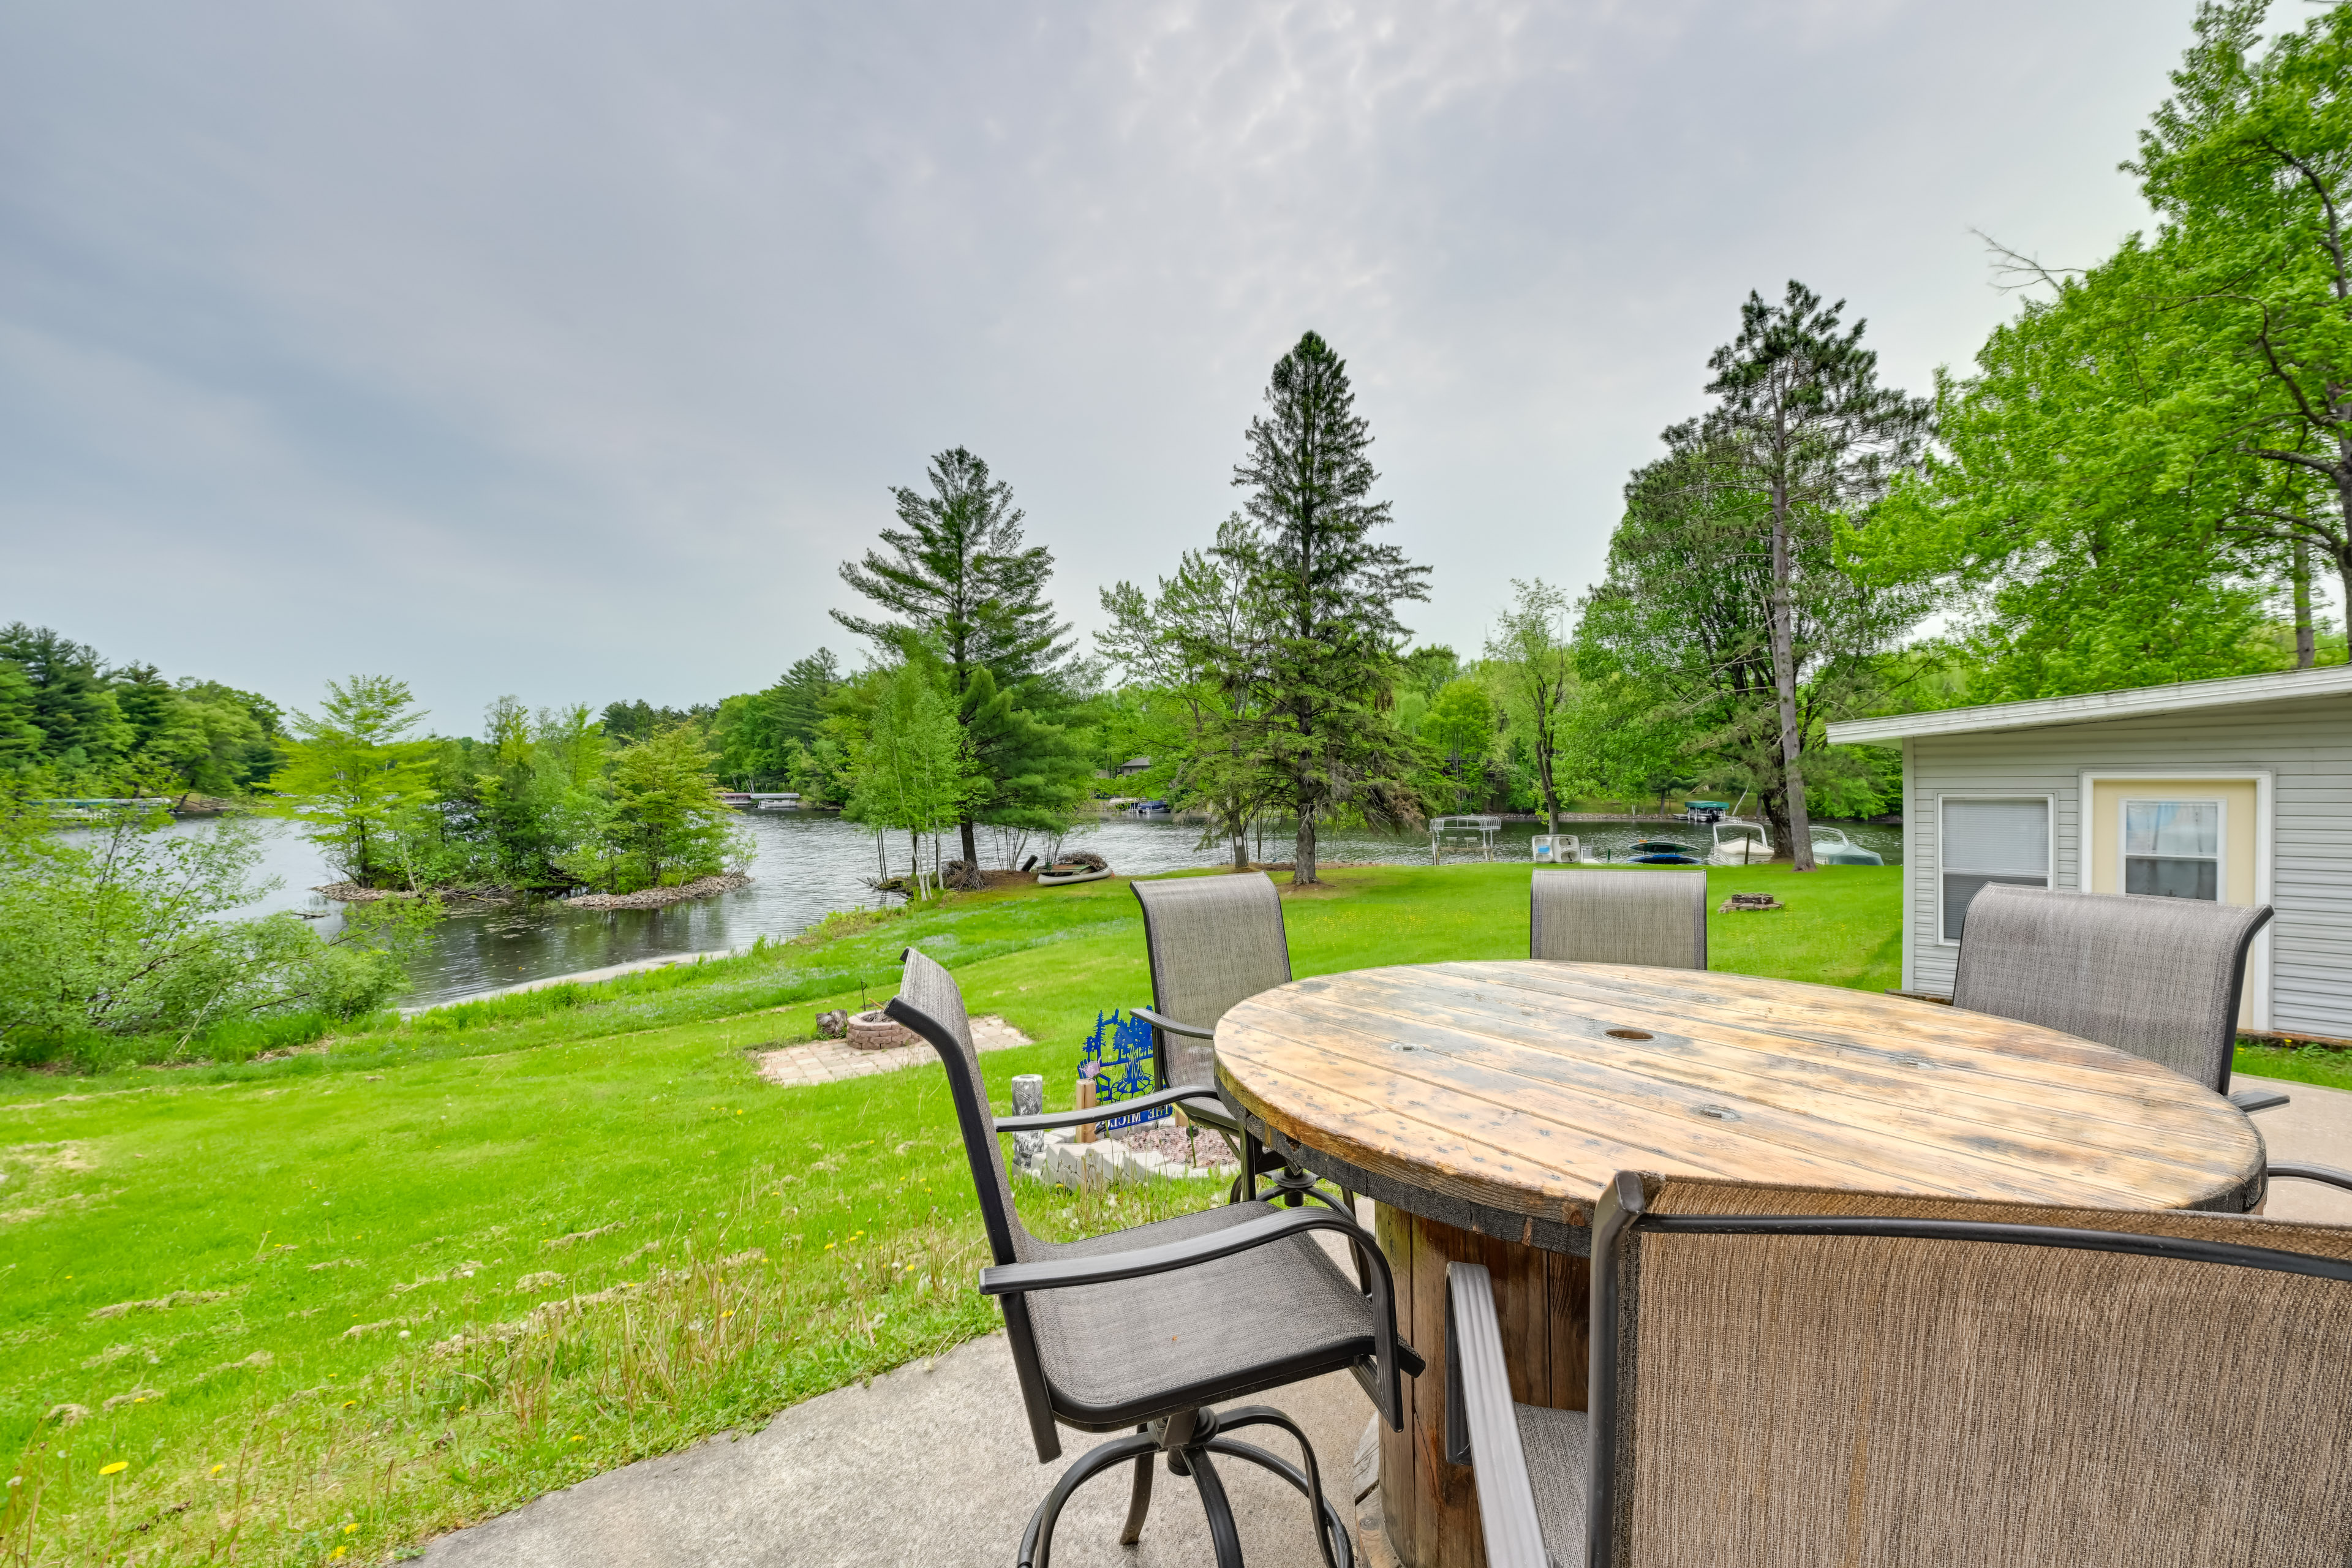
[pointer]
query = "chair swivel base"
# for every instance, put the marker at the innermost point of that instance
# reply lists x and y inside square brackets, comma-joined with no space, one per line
[1188,1438]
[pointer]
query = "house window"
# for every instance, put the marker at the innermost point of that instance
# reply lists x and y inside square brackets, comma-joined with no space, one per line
[2172,849]
[1982,840]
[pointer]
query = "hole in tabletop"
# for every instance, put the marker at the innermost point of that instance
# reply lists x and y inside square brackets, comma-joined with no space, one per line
[1631,1034]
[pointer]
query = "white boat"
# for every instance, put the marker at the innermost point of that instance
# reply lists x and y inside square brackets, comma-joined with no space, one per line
[1063,875]
[1739,842]
[1832,847]
[1558,850]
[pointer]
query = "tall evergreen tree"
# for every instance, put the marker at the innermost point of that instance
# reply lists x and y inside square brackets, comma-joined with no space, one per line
[958,576]
[1802,418]
[1328,593]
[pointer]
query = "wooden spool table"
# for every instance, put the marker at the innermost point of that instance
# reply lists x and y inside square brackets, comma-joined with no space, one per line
[1484,1107]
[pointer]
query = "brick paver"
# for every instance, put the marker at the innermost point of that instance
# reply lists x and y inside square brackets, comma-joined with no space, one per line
[830,1061]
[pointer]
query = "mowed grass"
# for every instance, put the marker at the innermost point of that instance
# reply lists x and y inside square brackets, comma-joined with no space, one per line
[321,1308]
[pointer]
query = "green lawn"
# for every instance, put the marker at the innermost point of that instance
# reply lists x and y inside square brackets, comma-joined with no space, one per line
[322,1308]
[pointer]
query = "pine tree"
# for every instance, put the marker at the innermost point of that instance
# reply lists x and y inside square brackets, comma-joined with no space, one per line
[1328,594]
[1802,419]
[959,577]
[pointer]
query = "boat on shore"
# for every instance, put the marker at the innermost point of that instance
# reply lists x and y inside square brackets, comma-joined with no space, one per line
[1063,875]
[1739,842]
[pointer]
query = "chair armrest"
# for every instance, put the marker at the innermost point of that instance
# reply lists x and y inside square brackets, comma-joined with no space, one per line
[2252,1099]
[1102,1112]
[1161,1021]
[2333,1177]
[1481,1428]
[1391,1359]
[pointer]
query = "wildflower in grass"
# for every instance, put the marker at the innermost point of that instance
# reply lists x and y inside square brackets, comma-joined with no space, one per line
[115,1468]
[578,1439]
[351,1530]
[338,1551]
[218,1469]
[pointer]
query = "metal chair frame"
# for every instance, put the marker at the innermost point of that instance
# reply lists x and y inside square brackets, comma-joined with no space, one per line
[1176,1423]
[1480,1419]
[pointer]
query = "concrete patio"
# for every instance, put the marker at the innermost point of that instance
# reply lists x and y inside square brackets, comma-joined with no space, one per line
[932,1463]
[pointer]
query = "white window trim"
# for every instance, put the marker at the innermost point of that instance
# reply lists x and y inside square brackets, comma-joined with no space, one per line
[2221,855]
[2050,842]
[2258,961]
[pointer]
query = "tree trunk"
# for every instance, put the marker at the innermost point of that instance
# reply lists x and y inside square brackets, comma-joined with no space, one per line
[1303,858]
[1784,677]
[971,845]
[2306,645]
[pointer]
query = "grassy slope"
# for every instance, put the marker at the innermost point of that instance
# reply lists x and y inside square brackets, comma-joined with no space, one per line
[310,1211]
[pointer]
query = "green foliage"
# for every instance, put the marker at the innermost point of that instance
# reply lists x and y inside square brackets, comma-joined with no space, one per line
[959,576]
[63,693]
[1801,425]
[914,772]
[1187,656]
[641,720]
[760,735]
[119,934]
[1532,658]
[660,823]
[1676,644]
[2151,459]
[89,730]
[1461,728]
[507,810]
[1325,596]
[960,582]
[355,779]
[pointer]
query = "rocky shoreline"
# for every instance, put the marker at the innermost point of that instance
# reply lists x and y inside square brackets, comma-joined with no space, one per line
[655,898]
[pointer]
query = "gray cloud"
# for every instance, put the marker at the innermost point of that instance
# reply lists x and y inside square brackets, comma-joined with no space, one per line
[564,350]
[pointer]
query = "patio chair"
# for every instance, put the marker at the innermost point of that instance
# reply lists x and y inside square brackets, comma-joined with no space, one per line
[1153,1326]
[1784,1377]
[1214,942]
[1656,918]
[2161,978]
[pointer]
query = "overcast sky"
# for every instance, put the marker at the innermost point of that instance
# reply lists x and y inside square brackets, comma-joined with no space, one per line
[564,350]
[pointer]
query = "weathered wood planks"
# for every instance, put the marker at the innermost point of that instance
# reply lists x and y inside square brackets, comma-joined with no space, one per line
[1498,1085]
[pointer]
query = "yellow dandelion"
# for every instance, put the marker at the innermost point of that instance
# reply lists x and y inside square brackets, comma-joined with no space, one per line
[728,1313]
[578,1439]
[349,1402]
[115,1468]
[338,1551]
[351,1530]
[218,1469]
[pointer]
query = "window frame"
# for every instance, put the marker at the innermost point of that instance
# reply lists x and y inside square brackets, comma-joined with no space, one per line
[1943,844]
[2221,855]
[2259,979]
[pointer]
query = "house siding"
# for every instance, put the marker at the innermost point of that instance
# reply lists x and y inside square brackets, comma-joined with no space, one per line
[2304,745]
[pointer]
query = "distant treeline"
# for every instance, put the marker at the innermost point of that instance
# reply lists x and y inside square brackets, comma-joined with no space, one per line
[89,728]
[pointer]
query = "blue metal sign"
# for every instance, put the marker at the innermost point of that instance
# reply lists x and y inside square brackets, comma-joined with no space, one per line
[1118,1056]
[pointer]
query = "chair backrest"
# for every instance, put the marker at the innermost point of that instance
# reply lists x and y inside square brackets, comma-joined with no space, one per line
[1770,1400]
[1583,916]
[2157,977]
[1214,942]
[931,1004]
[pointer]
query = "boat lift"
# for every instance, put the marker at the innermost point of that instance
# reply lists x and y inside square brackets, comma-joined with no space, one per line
[1463,830]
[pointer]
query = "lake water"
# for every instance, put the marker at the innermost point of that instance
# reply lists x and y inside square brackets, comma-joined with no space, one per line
[808,864]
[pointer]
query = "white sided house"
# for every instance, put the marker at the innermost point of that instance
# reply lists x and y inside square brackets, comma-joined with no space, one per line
[2238,790]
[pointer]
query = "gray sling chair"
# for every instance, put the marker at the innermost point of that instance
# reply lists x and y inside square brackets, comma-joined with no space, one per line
[1214,942]
[1656,918]
[1149,1327]
[1784,1377]
[2161,978]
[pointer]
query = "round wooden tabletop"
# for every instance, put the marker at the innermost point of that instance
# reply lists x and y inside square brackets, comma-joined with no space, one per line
[1510,1092]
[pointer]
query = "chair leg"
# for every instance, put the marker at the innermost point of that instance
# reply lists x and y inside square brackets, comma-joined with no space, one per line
[1223,1532]
[1330,1529]
[1138,1502]
[1037,1541]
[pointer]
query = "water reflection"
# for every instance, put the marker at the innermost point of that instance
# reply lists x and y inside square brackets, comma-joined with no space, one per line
[807,865]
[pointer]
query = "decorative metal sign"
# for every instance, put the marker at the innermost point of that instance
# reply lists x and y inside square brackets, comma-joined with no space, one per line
[1118,1056]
